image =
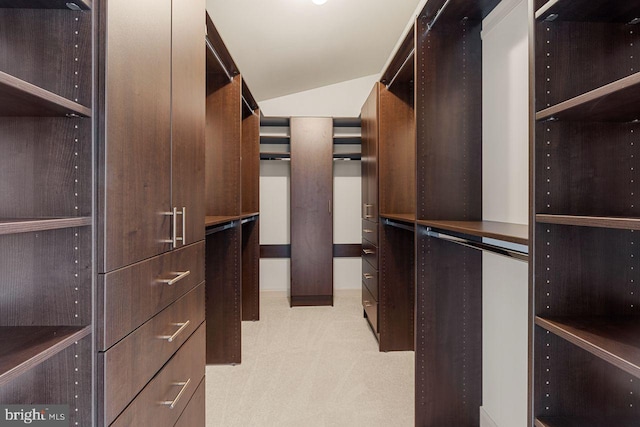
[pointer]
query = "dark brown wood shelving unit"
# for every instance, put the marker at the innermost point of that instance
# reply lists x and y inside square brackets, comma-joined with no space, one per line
[591,221]
[23,225]
[24,347]
[586,10]
[211,221]
[20,98]
[402,217]
[507,232]
[45,4]
[582,422]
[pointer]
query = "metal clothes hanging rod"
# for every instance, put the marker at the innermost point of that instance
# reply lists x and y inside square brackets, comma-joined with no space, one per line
[215,54]
[404,64]
[220,228]
[391,223]
[520,256]
[248,106]
[250,219]
[435,18]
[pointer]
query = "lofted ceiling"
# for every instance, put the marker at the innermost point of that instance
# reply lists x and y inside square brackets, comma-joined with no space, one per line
[288,46]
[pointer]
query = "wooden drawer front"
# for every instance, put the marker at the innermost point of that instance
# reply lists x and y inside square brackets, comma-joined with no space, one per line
[193,415]
[370,278]
[370,253]
[129,297]
[174,384]
[130,364]
[370,231]
[370,307]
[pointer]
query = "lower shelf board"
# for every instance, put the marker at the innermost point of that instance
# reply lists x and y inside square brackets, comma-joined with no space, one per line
[615,340]
[24,347]
[26,225]
[584,422]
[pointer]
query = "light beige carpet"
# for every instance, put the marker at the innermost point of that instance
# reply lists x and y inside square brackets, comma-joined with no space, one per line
[311,366]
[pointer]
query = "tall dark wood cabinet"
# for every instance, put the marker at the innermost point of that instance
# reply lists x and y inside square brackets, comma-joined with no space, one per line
[584,275]
[311,211]
[46,206]
[388,211]
[150,138]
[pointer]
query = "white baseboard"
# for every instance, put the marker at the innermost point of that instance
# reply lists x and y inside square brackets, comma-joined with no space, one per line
[486,420]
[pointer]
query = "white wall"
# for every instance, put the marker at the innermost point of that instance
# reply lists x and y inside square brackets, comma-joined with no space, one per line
[505,199]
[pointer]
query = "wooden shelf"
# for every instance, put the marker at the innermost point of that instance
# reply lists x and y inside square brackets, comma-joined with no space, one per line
[22,225]
[514,233]
[210,221]
[582,422]
[612,102]
[44,4]
[246,215]
[403,217]
[24,347]
[22,99]
[591,221]
[622,11]
[615,340]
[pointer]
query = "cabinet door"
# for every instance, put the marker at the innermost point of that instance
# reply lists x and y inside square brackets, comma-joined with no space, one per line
[369,115]
[188,118]
[311,211]
[135,132]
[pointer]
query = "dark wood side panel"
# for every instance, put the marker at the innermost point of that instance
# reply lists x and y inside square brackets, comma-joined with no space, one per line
[130,296]
[275,251]
[369,158]
[396,283]
[251,270]
[311,209]
[449,121]
[135,143]
[397,165]
[188,86]
[194,413]
[448,334]
[251,163]
[223,299]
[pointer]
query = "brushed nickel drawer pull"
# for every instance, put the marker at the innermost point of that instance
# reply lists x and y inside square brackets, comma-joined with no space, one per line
[180,275]
[366,230]
[368,251]
[367,303]
[172,403]
[177,239]
[184,225]
[171,338]
[368,276]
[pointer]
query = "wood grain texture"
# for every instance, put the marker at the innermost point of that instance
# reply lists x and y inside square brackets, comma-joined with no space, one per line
[370,306]
[311,209]
[457,10]
[211,221]
[275,251]
[370,231]
[130,296]
[28,346]
[508,232]
[251,270]
[408,218]
[14,226]
[50,269]
[186,364]
[396,294]
[397,148]
[402,62]
[347,250]
[449,121]
[40,46]
[586,421]
[585,10]
[370,253]
[223,296]
[250,185]
[46,168]
[136,142]
[45,4]
[370,279]
[188,114]
[64,379]
[131,363]
[218,45]
[194,413]
[448,333]
[591,221]
[223,148]
[369,166]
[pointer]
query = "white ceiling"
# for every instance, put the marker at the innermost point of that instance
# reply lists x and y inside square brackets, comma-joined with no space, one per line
[287,46]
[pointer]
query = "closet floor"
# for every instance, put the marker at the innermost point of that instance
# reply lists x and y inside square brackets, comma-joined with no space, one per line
[311,366]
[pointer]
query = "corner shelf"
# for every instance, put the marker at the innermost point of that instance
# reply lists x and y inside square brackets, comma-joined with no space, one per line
[588,10]
[19,98]
[612,102]
[507,232]
[591,221]
[45,4]
[211,221]
[15,226]
[24,347]
[581,422]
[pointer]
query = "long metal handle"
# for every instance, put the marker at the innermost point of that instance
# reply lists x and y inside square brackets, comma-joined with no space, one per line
[172,403]
[329,206]
[368,276]
[180,275]
[184,225]
[175,227]
[368,251]
[171,338]
[366,211]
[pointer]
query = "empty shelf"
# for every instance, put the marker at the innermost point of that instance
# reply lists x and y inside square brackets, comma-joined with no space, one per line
[210,221]
[507,232]
[22,225]
[623,11]
[591,221]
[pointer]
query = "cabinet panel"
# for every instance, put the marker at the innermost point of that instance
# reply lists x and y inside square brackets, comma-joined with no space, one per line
[370,231]
[311,211]
[134,194]
[370,253]
[370,279]
[130,296]
[131,363]
[370,308]
[188,118]
[174,384]
[193,414]
[369,129]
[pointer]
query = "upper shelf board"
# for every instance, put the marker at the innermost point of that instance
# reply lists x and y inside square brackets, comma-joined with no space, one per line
[621,11]
[47,4]
[507,232]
